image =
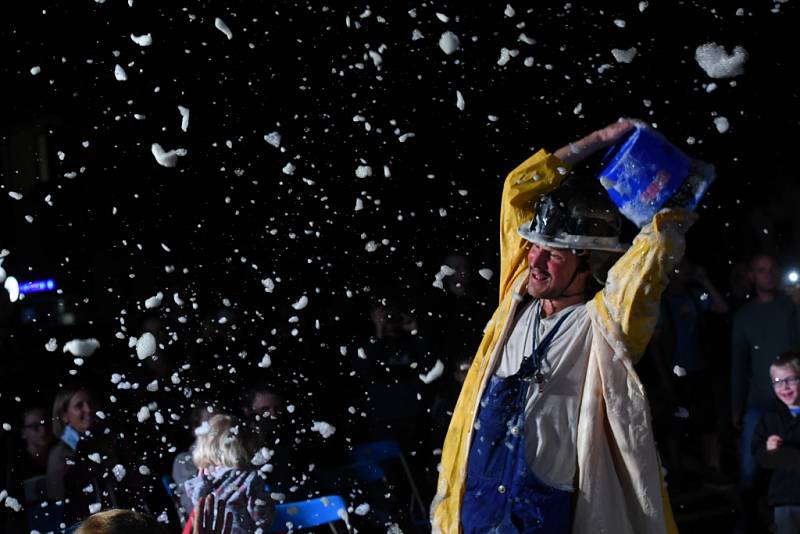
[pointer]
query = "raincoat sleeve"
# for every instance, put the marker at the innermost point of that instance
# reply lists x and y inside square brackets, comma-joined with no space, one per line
[628,305]
[537,175]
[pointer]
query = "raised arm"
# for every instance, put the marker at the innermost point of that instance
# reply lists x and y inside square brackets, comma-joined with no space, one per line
[540,174]
[605,137]
[629,303]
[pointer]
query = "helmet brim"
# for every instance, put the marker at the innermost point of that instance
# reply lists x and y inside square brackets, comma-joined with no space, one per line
[566,241]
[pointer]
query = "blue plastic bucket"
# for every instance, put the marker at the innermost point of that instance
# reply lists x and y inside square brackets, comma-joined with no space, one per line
[645,171]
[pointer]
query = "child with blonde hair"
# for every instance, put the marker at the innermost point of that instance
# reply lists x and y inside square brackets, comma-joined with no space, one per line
[223,453]
[776,443]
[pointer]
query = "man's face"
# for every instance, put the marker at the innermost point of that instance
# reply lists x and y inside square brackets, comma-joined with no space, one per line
[763,274]
[266,405]
[551,270]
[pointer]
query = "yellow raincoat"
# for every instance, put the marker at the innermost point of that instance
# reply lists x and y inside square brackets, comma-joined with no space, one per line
[619,485]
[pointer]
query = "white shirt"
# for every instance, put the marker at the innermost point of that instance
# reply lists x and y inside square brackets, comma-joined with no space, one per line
[551,413]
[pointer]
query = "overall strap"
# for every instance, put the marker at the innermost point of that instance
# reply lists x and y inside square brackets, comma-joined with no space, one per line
[533,361]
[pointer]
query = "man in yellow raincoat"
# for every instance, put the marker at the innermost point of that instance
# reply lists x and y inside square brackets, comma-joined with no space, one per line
[552,433]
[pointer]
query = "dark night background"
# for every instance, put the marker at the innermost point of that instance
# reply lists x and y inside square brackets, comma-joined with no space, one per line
[230,217]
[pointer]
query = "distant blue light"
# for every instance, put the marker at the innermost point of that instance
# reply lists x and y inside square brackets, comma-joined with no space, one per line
[37,286]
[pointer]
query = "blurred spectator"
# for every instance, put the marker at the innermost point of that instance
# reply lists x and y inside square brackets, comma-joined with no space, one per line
[460,282]
[38,437]
[26,466]
[390,368]
[263,409]
[117,521]
[211,518]
[776,443]
[762,329]
[226,457]
[81,467]
[688,298]
[459,312]
[183,467]
[741,286]
[266,403]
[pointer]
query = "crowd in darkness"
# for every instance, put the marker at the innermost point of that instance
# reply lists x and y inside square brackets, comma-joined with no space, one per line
[709,375]
[391,388]
[263,195]
[706,371]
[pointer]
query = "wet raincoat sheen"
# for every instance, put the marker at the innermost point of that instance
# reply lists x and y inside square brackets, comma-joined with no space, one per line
[619,485]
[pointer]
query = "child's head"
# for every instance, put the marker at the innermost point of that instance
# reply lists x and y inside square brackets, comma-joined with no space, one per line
[785,375]
[222,442]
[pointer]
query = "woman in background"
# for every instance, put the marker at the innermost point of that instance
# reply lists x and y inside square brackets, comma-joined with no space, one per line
[81,467]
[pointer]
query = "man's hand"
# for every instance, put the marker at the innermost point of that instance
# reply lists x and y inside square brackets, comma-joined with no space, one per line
[581,149]
[204,522]
[774,442]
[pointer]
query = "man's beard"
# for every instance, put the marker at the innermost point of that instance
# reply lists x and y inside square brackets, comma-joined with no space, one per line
[551,292]
[546,292]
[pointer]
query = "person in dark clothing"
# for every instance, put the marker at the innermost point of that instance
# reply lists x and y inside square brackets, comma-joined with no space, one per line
[762,329]
[389,368]
[86,468]
[776,443]
[263,409]
[26,467]
[457,311]
[688,300]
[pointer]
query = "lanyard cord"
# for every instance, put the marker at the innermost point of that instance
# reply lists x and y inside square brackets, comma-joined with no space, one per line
[533,361]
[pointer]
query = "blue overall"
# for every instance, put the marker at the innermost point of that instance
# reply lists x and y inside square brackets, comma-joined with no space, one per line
[502,495]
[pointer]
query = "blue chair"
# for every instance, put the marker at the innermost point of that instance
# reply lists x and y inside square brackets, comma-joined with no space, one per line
[298,515]
[169,484]
[365,464]
[47,518]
